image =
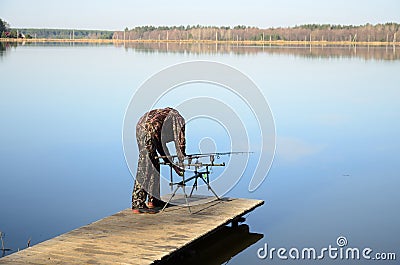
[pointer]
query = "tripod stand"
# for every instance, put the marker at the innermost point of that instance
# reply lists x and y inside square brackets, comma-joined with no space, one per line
[204,175]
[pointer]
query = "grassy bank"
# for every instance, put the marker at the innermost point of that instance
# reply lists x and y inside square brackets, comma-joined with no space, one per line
[232,42]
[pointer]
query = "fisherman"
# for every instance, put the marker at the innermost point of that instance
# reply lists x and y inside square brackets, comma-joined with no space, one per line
[153,131]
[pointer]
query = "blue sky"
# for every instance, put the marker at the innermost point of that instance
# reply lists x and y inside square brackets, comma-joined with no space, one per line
[118,14]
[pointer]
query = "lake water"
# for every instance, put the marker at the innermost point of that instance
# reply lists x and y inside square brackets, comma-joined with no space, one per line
[336,167]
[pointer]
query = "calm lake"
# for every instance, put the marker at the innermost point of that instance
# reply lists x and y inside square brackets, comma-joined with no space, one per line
[336,166]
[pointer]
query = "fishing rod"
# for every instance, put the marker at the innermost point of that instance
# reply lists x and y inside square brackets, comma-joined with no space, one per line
[190,157]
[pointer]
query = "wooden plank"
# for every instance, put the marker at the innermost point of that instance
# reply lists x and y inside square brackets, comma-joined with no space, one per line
[127,238]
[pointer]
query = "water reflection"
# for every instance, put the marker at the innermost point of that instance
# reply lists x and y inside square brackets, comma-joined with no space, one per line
[309,51]
[218,248]
[62,165]
[5,46]
[364,52]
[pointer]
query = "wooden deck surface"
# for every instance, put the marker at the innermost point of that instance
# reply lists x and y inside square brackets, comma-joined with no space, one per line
[127,238]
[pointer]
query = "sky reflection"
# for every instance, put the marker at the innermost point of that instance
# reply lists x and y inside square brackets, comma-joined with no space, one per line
[336,165]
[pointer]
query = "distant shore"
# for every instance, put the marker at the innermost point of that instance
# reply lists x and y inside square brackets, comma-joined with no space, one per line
[231,42]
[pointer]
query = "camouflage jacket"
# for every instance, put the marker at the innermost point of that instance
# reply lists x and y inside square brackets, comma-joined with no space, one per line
[163,126]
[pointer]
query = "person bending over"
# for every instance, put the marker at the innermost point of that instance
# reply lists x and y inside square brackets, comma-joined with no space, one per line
[153,131]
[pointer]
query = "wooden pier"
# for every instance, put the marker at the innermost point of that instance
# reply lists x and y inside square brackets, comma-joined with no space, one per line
[127,238]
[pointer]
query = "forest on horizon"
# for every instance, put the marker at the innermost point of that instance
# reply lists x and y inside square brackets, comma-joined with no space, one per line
[387,32]
[307,32]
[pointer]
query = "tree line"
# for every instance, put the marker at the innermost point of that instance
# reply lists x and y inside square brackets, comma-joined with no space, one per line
[308,32]
[7,32]
[388,32]
[66,33]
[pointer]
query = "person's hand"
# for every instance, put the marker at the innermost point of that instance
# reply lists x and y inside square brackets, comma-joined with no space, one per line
[178,170]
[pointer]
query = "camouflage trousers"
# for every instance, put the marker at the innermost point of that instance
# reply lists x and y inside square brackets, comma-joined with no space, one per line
[147,182]
[139,196]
